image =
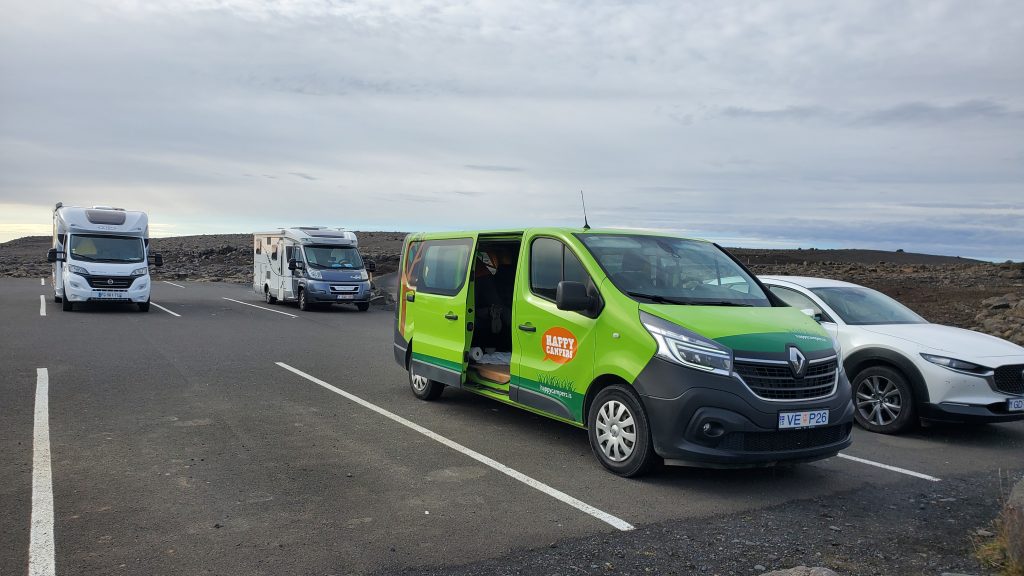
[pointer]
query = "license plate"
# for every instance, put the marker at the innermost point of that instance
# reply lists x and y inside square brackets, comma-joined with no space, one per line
[1015,405]
[346,296]
[805,419]
[110,295]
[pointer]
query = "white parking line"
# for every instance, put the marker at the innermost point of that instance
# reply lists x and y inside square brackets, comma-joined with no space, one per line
[42,305]
[175,314]
[260,307]
[537,484]
[892,468]
[40,541]
[172,283]
[42,281]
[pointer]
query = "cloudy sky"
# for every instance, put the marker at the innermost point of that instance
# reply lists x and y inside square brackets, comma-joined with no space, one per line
[801,123]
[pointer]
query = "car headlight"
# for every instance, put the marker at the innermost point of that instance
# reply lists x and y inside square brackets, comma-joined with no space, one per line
[956,365]
[77,270]
[681,346]
[314,274]
[140,271]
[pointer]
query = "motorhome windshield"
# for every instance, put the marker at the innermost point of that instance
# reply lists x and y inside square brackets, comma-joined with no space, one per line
[104,248]
[332,257]
[667,270]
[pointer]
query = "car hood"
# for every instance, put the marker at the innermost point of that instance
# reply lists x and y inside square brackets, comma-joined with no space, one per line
[963,344]
[766,330]
[342,274]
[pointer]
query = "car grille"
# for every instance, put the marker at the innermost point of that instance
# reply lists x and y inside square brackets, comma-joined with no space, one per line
[776,381]
[783,440]
[1010,379]
[110,282]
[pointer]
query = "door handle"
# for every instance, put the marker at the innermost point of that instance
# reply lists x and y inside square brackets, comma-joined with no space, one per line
[527,327]
[451,316]
[410,297]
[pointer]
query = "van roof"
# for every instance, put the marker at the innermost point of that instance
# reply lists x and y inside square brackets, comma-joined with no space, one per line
[554,229]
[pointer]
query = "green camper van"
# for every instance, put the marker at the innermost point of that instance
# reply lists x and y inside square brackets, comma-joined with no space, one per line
[663,348]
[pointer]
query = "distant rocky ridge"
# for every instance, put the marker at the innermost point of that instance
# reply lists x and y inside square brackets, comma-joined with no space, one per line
[948,290]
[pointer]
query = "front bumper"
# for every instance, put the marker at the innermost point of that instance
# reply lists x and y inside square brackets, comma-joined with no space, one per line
[742,429]
[958,397]
[322,292]
[967,413]
[77,289]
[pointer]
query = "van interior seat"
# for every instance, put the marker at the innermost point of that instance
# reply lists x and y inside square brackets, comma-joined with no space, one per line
[498,373]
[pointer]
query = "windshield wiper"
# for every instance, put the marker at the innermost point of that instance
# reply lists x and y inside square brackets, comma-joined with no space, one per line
[720,303]
[657,298]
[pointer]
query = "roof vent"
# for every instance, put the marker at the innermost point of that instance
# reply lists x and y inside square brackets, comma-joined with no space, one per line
[105,216]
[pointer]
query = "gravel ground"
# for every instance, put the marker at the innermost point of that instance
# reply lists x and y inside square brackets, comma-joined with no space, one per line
[907,528]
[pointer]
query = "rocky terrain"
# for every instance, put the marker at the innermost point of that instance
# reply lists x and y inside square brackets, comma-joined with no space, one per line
[948,290]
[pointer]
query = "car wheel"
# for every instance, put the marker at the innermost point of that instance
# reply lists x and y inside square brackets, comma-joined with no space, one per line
[144,306]
[883,400]
[363,306]
[66,305]
[267,297]
[619,432]
[422,387]
[303,303]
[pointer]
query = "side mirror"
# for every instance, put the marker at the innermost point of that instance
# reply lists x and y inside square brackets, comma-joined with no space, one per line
[813,314]
[294,264]
[370,265]
[51,255]
[572,296]
[158,259]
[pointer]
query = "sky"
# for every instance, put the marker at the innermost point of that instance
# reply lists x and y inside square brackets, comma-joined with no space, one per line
[869,124]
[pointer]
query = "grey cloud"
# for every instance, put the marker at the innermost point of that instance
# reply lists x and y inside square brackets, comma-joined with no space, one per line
[789,113]
[303,175]
[926,113]
[492,168]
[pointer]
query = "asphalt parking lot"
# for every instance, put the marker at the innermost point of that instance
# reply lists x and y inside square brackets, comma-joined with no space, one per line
[217,434]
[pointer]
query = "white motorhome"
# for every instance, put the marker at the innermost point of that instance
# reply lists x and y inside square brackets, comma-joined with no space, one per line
[311,265]
[100,254]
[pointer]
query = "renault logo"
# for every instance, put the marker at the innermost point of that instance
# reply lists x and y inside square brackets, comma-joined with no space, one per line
[110,282]
[797,362]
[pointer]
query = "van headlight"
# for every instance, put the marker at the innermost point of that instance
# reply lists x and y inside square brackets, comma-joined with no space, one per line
[77,270]
[957,365]
[681,346]
[314,274]
[140,271]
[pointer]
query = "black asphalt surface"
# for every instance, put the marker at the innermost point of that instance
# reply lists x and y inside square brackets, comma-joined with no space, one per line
[181,447]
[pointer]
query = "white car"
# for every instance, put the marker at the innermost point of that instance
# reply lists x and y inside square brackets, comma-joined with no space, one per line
[904,369]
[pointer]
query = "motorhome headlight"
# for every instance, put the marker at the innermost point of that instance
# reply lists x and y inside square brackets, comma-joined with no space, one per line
[140,271]
[681,346]
[314,274]
[956,365]
[77,270]
[363,275]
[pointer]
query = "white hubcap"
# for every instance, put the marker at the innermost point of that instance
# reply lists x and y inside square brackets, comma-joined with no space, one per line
[616,431]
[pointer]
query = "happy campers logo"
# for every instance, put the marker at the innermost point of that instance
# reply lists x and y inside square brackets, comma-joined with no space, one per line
[559,345]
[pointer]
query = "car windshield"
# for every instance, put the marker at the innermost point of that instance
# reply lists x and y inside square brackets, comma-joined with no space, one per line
[862,306]
[667,270]
[332,257]
[103,248]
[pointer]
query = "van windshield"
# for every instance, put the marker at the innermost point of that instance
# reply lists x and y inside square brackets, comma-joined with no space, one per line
[667,270]
[332,257]
[103,248]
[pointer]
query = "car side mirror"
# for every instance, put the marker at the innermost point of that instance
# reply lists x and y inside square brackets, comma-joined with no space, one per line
[572,296]
[294,264]
[370,265]
[158,259]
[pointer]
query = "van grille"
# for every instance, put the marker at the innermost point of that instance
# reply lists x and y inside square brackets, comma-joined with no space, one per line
[776,381]
[1010,379]
[783,440]
[110,282]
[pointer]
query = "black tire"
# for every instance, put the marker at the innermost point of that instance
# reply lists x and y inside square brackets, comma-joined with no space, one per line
[303,303]
[363,306]
[267,297]
[143,306]
[423,387]
[883,400]
[614,406]
[66,305]
[57,299]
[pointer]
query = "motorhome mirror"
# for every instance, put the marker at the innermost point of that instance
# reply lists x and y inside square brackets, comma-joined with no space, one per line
[370,265]
[158,260]
[52,255]
[294,264]
[572,296]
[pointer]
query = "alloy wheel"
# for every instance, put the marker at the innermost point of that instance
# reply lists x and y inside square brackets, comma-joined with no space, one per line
[879,400]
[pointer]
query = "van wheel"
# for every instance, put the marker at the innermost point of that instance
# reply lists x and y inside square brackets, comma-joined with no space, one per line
[66,304]
[883,401]
[303,304]
[619,432]
[144,306]
[423,387]
[267,297]
[363,306]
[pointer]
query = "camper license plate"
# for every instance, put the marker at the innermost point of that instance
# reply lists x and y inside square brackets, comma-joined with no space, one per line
[805,419]
[110,295]
[1015,405]
[346,296]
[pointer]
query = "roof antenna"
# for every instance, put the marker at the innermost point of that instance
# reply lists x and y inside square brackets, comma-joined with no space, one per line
[586,225]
